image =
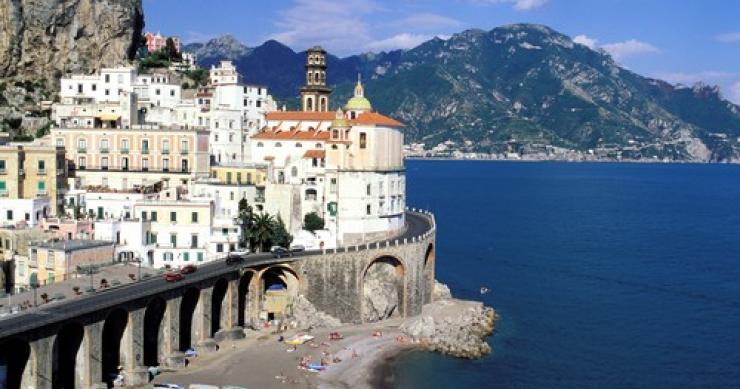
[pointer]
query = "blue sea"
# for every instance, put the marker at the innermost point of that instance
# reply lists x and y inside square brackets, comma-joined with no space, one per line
[604,275]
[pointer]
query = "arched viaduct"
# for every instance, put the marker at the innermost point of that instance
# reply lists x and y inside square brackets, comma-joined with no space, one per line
[82,343]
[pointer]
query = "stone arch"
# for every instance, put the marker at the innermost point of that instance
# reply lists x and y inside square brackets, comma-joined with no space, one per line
[243,302]
[383,289]
[220,288]
[187,312]
[67,357]
[428,273]
[154,332]
[113,329]
[279,286]
[16,357]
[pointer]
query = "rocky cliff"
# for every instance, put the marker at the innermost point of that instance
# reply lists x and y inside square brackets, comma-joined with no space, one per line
[45,39]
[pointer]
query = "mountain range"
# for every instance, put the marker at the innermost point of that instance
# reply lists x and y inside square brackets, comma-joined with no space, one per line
[516,84]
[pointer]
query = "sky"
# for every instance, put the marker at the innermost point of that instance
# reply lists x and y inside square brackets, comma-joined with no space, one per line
[680,41]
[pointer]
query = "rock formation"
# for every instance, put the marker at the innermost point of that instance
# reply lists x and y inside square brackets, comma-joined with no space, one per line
[306,316]
[45,39]
[381,292]
[453,327]
[440,291]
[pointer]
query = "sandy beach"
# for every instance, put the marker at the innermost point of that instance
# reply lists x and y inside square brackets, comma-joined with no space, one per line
[262,361]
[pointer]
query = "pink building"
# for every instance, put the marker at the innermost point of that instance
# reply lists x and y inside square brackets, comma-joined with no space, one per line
[66,229]
[156,42]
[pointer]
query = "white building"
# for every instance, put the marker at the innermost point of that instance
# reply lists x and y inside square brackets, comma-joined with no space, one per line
[28,212]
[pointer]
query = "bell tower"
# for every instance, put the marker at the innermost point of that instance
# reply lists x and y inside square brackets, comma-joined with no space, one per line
[315,94]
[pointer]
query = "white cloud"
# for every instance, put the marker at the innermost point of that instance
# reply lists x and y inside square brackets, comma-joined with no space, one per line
[336,24]
[591,43]
[734,93]
[709,76]
[729,37]
[400,41]
[629,48]
[427,21]
[521,5]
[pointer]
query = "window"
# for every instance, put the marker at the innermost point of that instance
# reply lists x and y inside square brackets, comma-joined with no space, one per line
[184,146]
[94,87]
[298,145]
[82,144]
[369,190]
[335,134]
[168,256]
[2,165]
[107,78]
[260,144]
[194,217]
[363,140]
[41,166]
[228,177]
[185,256]
[104,163]
[166,146]
[231,137]
[172,93]
[41,187]
[104,145]
[278,144]
[311,194]
[124,163]
[200,257]
[145,145]
[333,185]
[294,171]
[157,92]
[3,187]
[194,241]
[124,145]
[219,248]
[173,216]
[166,164]
[238,178]
[60,142]
[173,240]
[107,92]
[231,196]
[145,164]
[154,216]
[9,214]
[27,216]
[184,165]
[368,209]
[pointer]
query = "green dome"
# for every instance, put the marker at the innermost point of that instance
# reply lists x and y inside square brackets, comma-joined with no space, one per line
[339,123]
[358,103]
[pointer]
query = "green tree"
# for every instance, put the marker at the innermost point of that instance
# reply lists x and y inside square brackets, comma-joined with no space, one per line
[280,235]
[170,51]
[245,220]
[262,231]
[312,222]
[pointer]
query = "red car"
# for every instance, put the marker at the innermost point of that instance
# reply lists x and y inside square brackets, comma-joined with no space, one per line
[173,277]
[188,269]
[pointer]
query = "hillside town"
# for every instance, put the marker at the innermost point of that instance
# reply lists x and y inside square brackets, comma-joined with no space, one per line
[138,169]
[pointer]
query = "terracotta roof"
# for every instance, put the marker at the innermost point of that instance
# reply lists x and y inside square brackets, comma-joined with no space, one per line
[377,119]
[300,115]
[292,135]
[315,154]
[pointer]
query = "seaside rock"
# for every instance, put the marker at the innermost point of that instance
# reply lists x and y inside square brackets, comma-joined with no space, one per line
[306,316]
[440,291]
[453,327]
[380,292]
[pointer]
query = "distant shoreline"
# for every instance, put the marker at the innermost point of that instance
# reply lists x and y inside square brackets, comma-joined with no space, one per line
[630,161]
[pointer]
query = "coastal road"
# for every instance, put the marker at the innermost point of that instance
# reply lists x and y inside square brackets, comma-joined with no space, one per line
[416,225]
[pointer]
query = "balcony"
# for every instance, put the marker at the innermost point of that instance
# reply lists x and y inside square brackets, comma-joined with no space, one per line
[259,199]
[145,151]
[104,150]
[166,152]
[183,152]
[124,151]
[2,171]
[81,150]
[41,172]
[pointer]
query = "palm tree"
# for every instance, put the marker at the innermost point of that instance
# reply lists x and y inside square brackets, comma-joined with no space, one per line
[262,230]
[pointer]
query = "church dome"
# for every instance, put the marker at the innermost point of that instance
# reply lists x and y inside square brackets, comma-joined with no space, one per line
[358,103]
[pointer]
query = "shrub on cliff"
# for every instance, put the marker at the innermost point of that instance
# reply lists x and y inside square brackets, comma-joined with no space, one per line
[312,222]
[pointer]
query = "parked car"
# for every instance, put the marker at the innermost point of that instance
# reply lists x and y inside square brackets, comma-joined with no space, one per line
[188,269]
[169,386]
[279,252]
[297,248]
[173,277]
[236,257]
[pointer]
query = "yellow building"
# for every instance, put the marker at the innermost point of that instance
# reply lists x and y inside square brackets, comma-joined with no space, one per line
[240,174]
[32,170]
[51,262]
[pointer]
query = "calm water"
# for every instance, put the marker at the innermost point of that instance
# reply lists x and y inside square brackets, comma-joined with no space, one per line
[604,275]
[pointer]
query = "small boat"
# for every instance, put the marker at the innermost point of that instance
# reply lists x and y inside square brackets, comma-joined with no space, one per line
[484,290]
